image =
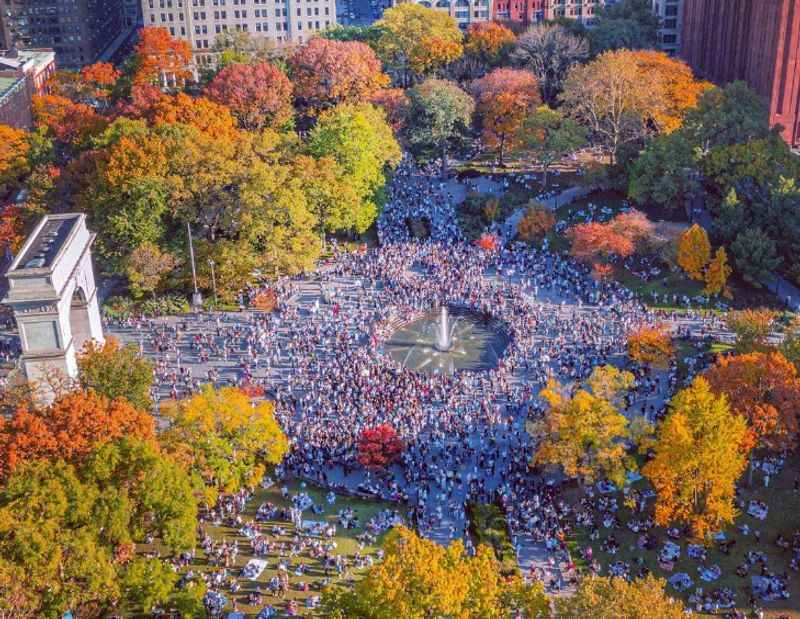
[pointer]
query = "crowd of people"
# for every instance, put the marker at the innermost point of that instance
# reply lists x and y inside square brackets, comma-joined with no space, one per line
[319,356]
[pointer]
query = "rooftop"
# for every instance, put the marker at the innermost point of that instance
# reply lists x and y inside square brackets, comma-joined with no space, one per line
[25,59]
[44,247]
[7,85]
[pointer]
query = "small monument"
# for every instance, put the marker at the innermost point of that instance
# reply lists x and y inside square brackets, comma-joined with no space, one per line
[52,293]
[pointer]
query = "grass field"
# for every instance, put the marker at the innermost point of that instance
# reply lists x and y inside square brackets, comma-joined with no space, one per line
[345,540]
[783,518]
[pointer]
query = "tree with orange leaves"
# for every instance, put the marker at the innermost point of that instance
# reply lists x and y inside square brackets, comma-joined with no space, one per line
[535,223]
[100,77]
[489,42]
[326,73]
[199,112]
[14,149]
[651,346]
[595,242]
[69,429]
[488,242]
[160,58]
[70,123]
[505,98]
[258,95]
[764,388]
[681,91]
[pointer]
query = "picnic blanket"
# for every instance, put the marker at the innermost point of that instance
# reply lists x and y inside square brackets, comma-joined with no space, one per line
[253,569]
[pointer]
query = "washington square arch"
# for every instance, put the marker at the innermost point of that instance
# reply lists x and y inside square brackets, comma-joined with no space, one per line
[51,290]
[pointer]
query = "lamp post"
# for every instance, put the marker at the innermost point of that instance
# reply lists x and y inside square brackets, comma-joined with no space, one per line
[213,279]
[197,298]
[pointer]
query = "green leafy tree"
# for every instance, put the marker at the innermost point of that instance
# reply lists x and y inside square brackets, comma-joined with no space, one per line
[664,173]
[755,256]
[361,142]
[628,24]
[550,136]
[117,371]
[442,113]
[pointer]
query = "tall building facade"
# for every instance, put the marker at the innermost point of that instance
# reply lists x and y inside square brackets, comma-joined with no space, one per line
[200,21]
[755,41]
[465,12]
[530,12]
[671,14]
[77,30]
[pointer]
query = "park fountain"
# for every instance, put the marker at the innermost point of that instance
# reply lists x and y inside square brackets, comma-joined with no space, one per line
[444,340]
[448,340]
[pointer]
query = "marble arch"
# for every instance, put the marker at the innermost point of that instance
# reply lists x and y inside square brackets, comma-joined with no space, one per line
[51,290]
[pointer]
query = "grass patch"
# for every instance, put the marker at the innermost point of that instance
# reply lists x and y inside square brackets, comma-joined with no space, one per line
[345,540]
[784,507]
[488,525]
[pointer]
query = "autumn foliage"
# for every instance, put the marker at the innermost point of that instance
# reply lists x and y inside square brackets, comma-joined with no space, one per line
[504,99]
[326,73]
[14,148]
[764,388]
[651,346]
[535,223]
[266,300]
[700,453]
[489,41]
[161,57]
[595,242]
[258,95]
[70,429]
[378,447]
[752,328]
[488,242]
[395,103]
[68,122]
[694,251]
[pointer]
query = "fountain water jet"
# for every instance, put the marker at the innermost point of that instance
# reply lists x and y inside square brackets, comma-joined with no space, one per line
[444,341]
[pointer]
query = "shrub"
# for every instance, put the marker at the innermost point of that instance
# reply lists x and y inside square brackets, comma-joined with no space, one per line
[536,223]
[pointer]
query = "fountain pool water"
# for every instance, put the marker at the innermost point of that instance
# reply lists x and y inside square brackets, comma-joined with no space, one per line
[436,343]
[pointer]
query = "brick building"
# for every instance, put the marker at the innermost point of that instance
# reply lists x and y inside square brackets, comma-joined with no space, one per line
[23,73]
[755,41]
[530,12]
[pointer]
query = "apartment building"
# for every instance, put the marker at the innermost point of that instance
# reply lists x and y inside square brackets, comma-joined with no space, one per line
[755,41]
[200,21]
[77,30]
[530,12]
[23,73]
[671,14]
[465,12]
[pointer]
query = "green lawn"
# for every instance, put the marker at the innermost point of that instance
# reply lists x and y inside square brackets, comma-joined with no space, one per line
[783,517]
[345,539]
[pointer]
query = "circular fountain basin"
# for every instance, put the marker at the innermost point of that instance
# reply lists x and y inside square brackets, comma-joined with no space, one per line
[476,344]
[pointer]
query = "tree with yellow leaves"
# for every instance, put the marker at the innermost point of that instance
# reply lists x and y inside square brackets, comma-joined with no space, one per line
[223,438]
[717,274]
[694,251]
[419,579]
[417,39]
[584,433]
[651,346]
[700,453]
[601,597]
